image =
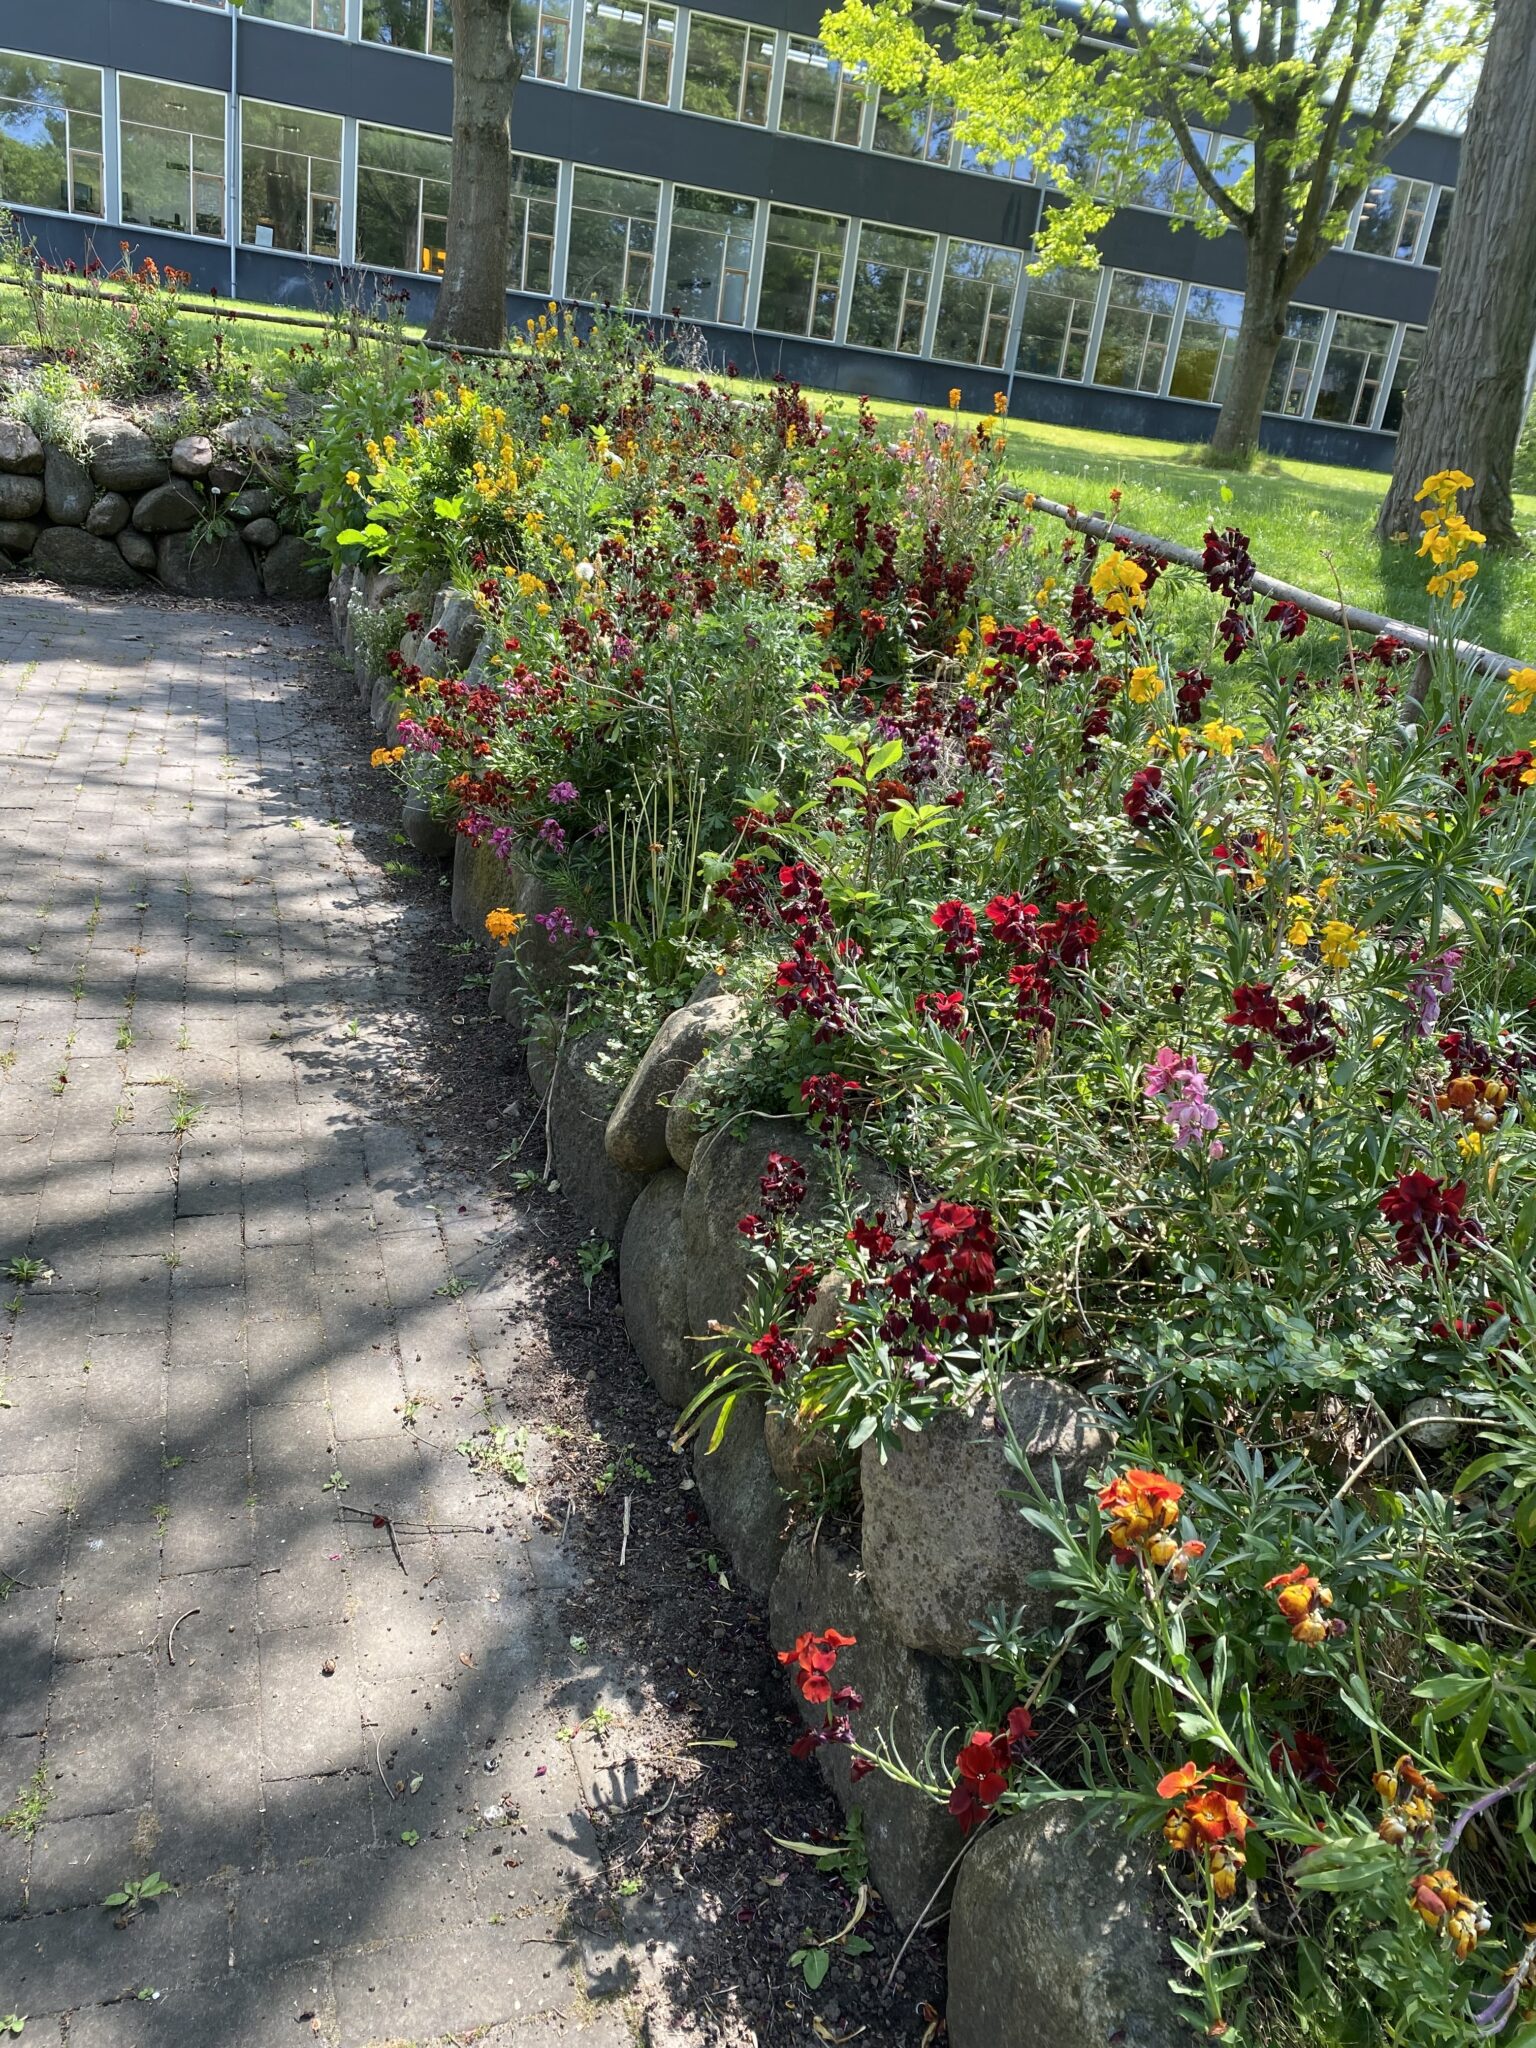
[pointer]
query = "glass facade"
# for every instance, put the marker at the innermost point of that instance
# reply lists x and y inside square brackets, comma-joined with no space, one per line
[402,199]
[1391,217]
[531,235]
[51,138]
[1057,320]
[976,303]
[1207,337]
[891,280]
[425,25]
[820,98]
[290,179]
[629,50]
[171,156]
[802,272]
[1138,325]
[1352,370]
[728,70]
[1291,378]
[330,16]
[1397,391]
[926,132]
[709,256]
[552,40]
[612,255]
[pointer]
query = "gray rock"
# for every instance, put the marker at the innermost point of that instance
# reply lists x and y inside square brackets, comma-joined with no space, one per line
[433,838]
[256,503]
[109,514]
[122,456]
[543,1054]
[169,508]
[192,456]
[21,497]
[481,883]
[942,1544]
[262,533]
[137,550]
[21,452]
[455,617]
[547,959]
[70,555]
[684,1131]
[219,568]
[226,477]
[637,1130]
[654,1288]
[294,567]
[1057,1939]
[580,1104]
[257,436]
[740,1494]
[339,594]
[503,988]
[68,489]
[17,536]
[378,702]
[911,1839]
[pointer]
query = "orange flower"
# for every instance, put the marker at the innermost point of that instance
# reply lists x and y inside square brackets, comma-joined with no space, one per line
[1176,1783]
[1142,1507]
[1408,1799]
[501,924]
[1447,1910]
[1304,1604]
[1212,1821]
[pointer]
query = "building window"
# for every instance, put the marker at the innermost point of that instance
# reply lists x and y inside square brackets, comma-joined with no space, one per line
[1352,371]
[1058,313]
[1291,378]
[613,239]
[821,99]
[728,70]
[802,268]
[531,238]
[290,179]
[1397,391]
[552,41]
[891,280]
[172,145]
[402,199]
[1439,227]
[926,132]
[1202,364]
[975,302]
[1391,215]
[329,15]
[1138,324]
[709,257]
[410,25]
[628,50]
[50,135]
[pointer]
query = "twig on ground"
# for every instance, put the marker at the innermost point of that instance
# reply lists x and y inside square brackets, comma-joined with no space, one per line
[170,1641]
[624,1545]
[378,1736]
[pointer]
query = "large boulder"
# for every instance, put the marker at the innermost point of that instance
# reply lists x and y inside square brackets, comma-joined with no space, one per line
[482,882]
[1057,1938]
[122,457]
[21,497]
[293,567]
[257,437]
[262,533]
[17,536]
[192,456]
[434,838]
[219,567]
[580,1104]
[137,550]
[943,1544]
[455,616]
[108,514]
[256,503]
[740,1494]
[685,1132]
[653,1284]
[21,452]
[911,1839]
[637,1130]
[70,555]
[67,489]
[168,508]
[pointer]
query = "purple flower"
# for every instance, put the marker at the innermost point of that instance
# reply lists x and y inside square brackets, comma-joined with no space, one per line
[558,924]
[503,843]
[551,835]
[565,793]
[1427,988]
[1178,1081]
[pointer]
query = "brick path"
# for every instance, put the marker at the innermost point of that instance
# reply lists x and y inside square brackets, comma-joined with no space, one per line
[240,1309]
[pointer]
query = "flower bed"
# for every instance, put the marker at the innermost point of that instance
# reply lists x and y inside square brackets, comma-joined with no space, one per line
[1048,1034]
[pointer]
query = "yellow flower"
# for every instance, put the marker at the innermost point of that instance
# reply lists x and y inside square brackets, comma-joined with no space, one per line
[963,641]
[1120,586]
[1146,685]
[385,757]
[353,478]
[999,403]
[1522,691]
[954,398]
[986,625]
[1326,887]
[1300,933]
[1339,943]
[501,924]
[1221,738]
[1469,1144]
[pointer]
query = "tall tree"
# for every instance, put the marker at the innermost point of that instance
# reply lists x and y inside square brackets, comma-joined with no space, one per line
[1466,404]
[489,47]
[1308,104]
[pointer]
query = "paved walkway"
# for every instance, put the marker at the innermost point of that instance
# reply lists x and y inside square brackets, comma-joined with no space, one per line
[252,1330]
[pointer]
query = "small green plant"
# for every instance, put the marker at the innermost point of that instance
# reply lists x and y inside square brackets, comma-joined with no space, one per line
[26,1816]
[124,1035]
[410,1837]
[592,1256]
[137,1893]
[626,1466]
[335,1484]
[452,1288]
[184,1111]
[501,1450]
[26,1272]
[12,2023]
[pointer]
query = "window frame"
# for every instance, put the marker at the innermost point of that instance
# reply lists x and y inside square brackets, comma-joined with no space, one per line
[421,181]
[311,195]
[838,289]
[629,177]
[527,200]
[716,319]
[193,174]
[851,87]
[978,361]
[857,271]
[746,70]
[1107,307]
[70,150]
[650,41]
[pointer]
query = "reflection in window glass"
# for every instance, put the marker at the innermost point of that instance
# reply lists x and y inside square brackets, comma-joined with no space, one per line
[1352,371]
[290,179]
[50,135]
[612,255]
[552,40]
[1391,215]
[709,256]
[1397,391]
[1058,312]
[410,25]
[1155,181]
[821,99]
[890,289]
[531,232]
[1203,364]
[727,70]
[1291,378]
[1439,227]
[802,268]
[628,50]
[1230,160]
[171,139]
[330,15]
[1137,325]
[975,302]
[402,199]
[926,131]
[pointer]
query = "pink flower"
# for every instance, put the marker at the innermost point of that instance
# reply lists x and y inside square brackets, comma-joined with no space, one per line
[1176,1079]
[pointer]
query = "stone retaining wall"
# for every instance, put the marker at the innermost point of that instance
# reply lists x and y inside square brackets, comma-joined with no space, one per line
[117,512]
[1057,1933]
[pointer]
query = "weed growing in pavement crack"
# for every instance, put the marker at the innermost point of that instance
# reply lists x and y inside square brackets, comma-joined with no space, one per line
[501,1451]
[135,1894]
[26,1816]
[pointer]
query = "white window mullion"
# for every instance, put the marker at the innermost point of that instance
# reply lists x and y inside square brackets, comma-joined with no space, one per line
[1324,346]
[1388,372]
[661,261]
[935,290]
[562,230]
[755,264]
[111,155]
[682,22]
[776,81]
[352,29]
[346,239]
[1175,337]
[1096,328]
[574,45]
[845,282]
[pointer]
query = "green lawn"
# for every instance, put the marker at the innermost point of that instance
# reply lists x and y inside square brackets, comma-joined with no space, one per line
[1310,523]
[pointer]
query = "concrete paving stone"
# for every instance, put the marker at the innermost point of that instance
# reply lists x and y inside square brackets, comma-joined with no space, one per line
[51,1335]
[205,1410]
[208,1251]
[463,1976]
[207,1802]
[34,1526]
[301,1568]
[209,1524]
[28,1623]
[293,1454]
[77,1862]
[132,1293]
[119,1472]
[217,1665]
[285,1362]
[243,2010]
[310,1720]
[207,1327]
[39,1427]
[100,1735]
[349,1902]
[58,1962]
[328,1816]
[280,1282]
[110,1603]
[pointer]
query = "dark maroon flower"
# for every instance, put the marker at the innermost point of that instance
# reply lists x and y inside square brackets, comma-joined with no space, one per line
[1012,921]
[1427,1216]
[1145,803]
[1254,1008]
[828,1101]
[957,922]
[783,1184]
[1290,618]
[946,1011]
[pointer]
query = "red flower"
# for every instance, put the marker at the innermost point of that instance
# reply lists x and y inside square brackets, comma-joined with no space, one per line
[984,1764]
[1012,920]
[815,1657]
[1032,986]
[828,1103]
[1254,1008]
[1427,1217]
[873,1239]
[1070,934]
[946,1011]
[1310,1760]
[957,922]
[783,1185]
[1145,803]
[777,1353]
[807,986]
[1290,618]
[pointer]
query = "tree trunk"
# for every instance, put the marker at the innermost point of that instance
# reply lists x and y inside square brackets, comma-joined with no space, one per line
[1235,437]
[487,63]
[1466,403]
